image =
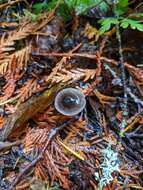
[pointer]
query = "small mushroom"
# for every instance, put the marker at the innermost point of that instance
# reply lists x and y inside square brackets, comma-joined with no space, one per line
[70,101]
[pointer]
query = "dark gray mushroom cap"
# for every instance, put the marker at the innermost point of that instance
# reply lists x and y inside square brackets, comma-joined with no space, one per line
[70,101]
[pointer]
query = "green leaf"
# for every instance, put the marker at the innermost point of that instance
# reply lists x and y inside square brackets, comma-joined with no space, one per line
[122,3]
[45,5]
[103,7]
[134,24]
[30,15]
[81,6]
[124,24]
[135,15]
[38,7]
[106,24]
[122,7]
[78,5]
[71,3]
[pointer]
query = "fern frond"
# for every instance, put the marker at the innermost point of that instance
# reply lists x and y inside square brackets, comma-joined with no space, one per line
[49,117]
[7,40]
[56,69]
[27,90]
[55,161]
[34,138]
[4,67]
[74,129]
[11,77]
[22,57]
[25,29]
[53,165]
[61,63]
[8,90]
[74,75]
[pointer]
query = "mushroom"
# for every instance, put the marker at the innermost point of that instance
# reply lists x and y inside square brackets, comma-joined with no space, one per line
[69,101]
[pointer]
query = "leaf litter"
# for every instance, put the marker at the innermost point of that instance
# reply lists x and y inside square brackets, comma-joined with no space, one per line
[40,148]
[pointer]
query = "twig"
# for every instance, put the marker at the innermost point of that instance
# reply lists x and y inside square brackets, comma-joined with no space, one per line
[122,68]
[52,134]
[84,55]
[6,145]
[96,81]
[10,3]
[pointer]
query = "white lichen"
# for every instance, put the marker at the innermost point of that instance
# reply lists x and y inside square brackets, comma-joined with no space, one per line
[109,165]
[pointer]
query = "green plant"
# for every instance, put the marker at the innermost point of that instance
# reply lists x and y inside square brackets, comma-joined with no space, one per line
[134,24]
[66,8]
[132,20]
[30,15]
[79,6]
[107,23]
[44,6]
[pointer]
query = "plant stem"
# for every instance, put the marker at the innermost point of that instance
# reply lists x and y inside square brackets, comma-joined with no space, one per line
[123,75]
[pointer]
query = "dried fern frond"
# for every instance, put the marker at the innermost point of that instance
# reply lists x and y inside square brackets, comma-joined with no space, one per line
[74,75]
[53,165]
[50,117]
[60,64]
[34,138]
[4,66]
[11,77]
[25,29]
[27,90]
[1,121]
[7,40]
[74,130]
[58,67]
[22,57]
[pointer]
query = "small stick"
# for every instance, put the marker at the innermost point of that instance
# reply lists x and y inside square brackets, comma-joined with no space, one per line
[85,55]
[70,54]
[7,145]
[10,3]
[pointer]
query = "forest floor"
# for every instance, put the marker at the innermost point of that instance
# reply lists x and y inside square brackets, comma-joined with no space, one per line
[49,138]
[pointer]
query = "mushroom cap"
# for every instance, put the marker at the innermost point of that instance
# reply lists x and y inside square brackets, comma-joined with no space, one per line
[69,101]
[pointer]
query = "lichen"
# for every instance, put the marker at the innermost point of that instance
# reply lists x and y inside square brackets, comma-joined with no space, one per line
[109,165]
